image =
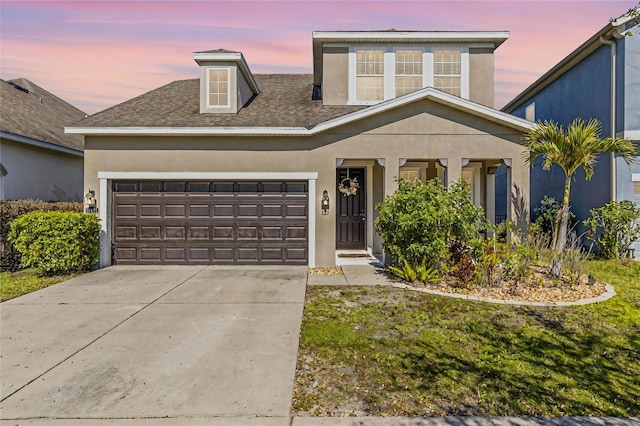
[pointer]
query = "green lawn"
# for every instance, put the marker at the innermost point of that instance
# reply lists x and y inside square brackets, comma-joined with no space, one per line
[23,282]
[385,351]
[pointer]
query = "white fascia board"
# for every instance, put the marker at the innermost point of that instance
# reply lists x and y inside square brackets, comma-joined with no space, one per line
[412,35]
[426,93]
[208,175]
[437,96]
[229,57]
[189,131]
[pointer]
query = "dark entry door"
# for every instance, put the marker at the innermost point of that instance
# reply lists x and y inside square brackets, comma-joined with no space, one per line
[351,213]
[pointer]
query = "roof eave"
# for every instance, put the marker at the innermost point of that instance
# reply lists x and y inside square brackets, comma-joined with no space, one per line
[575,57]
[438,96]
[40,144]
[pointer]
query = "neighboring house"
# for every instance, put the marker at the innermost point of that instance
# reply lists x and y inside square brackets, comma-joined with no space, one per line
[581,86]
[37,159]
[239,168]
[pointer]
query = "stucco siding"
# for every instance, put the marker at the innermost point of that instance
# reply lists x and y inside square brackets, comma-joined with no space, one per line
[33,173]
[335,76]
[481,76]
[420,130]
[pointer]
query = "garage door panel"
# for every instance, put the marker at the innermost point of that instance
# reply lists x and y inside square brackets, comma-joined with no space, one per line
[210,222]
[150,232]
[174,232]
[199,233]
[126,232]
[174,210]
[150,211]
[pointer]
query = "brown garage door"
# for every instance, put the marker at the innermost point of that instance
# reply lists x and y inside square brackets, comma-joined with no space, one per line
[210,222]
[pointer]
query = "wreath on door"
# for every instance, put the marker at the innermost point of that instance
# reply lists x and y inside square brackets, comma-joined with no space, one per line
[349,186]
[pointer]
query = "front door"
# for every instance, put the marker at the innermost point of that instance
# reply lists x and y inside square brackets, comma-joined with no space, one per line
[350,211]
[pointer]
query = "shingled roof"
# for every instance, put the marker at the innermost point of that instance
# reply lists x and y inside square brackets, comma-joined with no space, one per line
[284,101]
[29,110]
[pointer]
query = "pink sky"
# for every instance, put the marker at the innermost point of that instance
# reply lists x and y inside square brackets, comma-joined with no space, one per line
[98,54]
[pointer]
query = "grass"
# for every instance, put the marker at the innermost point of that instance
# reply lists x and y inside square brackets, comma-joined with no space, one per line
[384,351]
[26,281]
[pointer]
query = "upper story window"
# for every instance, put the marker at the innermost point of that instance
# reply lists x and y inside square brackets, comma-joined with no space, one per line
[218,86]
[378,74]
[530,112]
[408,71]
[369,75]
[447,71]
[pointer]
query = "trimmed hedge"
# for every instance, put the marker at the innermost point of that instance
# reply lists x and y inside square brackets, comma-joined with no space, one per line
[57,242]
[9,210]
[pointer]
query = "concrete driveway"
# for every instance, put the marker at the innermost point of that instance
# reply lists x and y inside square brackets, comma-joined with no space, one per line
[188,345]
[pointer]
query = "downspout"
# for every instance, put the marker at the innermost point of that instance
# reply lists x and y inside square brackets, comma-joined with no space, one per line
[614,172]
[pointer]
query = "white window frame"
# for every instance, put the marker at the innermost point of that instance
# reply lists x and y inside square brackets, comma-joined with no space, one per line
[353,74]
[395,75]
[530,112]
[208,93]
[411,169]
[464,67]
[390,67]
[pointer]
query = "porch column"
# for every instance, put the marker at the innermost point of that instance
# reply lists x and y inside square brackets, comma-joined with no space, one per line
[391,170]
[454,169]
[510,201]
[491,194]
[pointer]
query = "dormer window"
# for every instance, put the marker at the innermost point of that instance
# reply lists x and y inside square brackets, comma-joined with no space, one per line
[218,84]
[447,70]
[226,83]
[408,71]
[369,75]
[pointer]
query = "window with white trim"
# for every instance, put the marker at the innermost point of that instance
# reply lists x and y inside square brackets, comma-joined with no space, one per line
[369,75]
[447,70]
[218,85]
[530,112]
[410,173]
[408,71]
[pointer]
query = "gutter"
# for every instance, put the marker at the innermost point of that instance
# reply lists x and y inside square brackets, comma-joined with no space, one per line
[612,156]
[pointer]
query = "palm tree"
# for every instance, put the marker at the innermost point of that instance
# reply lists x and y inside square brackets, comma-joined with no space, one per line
[578,147]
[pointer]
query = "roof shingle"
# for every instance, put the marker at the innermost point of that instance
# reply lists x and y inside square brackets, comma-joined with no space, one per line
[284,101]
[37,114]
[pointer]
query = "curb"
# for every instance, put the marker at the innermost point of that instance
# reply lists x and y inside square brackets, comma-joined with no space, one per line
[608,294]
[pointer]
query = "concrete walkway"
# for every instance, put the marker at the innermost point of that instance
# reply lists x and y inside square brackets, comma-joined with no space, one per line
[199,345]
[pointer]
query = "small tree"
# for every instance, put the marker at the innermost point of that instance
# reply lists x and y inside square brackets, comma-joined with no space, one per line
[614,227]
[576,147]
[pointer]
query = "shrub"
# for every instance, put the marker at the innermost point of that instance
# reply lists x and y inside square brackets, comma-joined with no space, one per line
[9,210]
[57,242]
[614,227]
[420,221]
[547,217]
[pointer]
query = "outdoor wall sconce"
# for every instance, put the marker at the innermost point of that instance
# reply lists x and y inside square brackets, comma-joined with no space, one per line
[325,202]
[90,201]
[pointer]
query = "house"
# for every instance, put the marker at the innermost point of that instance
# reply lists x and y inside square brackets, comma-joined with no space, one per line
[37,159]
[236,167]
[600,79]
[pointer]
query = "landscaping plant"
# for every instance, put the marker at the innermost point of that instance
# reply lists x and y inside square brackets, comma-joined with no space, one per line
[547,218]
[614,227]
[420,221]
[578,146]
[57,242]
[9,210]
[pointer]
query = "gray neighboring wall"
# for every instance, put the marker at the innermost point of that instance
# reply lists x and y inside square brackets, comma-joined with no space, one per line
[37,159]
